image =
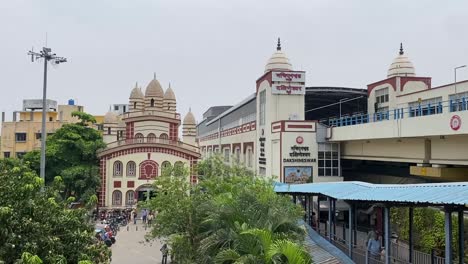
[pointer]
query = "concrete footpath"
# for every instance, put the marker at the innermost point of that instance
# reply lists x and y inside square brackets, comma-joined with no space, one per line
[130,247]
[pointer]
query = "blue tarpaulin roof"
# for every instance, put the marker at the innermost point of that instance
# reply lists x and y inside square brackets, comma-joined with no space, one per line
[455,193]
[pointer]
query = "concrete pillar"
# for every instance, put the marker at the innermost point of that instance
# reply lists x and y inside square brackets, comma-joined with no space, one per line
[410,234]
[461,237]
[387,234]
[350,230]
[448,236]
[334,219]
[329,218]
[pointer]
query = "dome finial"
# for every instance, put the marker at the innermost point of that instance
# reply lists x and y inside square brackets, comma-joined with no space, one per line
[278,47]
[190,109]
[136,84]
[169,84]
[154,77]
[401,49]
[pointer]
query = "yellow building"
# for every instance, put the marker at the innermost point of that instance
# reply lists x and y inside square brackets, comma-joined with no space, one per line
[23,135]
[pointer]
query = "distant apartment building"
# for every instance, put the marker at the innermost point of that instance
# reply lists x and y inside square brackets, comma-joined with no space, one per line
[23,133]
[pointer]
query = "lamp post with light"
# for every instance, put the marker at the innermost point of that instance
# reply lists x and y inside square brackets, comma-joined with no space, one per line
[47,55]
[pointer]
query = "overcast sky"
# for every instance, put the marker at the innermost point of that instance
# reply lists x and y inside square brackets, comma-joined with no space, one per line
[213,51]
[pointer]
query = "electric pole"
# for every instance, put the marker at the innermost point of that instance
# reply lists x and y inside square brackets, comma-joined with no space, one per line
[47,55]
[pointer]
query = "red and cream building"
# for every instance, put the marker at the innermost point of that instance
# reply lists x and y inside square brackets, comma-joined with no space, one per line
[141,142]
[267,131]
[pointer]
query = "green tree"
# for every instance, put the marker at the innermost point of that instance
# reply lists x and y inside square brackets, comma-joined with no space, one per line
[36,224]
[201,221]
[71,154]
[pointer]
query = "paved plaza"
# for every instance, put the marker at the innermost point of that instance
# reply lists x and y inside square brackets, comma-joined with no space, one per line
[130,248]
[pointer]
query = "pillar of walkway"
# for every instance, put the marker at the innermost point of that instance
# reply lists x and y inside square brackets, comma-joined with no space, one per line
[350,230]
[461,237]
[329,218]
[410,234]
[448,235]
[311,204]
[334,218]
[318,213]
[387,234]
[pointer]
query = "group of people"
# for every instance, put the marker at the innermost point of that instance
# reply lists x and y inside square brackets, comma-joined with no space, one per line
[147,216]
[105,236]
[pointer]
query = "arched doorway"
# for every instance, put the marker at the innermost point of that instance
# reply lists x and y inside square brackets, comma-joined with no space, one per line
[142,192]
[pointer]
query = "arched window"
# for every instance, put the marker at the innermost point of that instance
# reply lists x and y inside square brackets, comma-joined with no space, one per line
[178,167]
[139,138]
[131,169]
[134,105]
[152,102]
[164,136]
[166,168]
[130,198]
[117,198]
[151,138]
[118,168]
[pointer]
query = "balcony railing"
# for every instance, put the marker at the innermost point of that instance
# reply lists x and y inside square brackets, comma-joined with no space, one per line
[401,113]
[148,141]
[151,113]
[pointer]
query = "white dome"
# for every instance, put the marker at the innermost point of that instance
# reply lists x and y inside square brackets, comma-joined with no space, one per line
[189,119]
[401,66]
[278,61]
[154,89]
[169,94]
[110,118]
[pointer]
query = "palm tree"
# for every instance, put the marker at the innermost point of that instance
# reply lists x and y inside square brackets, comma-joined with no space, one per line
[263,247]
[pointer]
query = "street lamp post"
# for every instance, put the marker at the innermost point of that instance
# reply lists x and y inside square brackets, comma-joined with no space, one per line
[455,71]
[47,55]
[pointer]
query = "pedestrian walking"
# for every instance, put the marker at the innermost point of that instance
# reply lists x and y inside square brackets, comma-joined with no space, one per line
[134,214]
[144,215]
[150,218]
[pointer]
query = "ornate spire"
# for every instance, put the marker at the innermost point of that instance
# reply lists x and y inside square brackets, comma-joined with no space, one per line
[154,77]
[169,84]
[136,84]
[278,47]
[401,49]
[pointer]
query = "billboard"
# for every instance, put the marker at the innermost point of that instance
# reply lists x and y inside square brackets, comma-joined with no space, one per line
[297,174]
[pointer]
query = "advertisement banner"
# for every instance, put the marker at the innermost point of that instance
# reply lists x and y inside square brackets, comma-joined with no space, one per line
[297,174]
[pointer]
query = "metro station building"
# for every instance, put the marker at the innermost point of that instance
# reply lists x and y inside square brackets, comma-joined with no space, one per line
[400,130]
[141,142]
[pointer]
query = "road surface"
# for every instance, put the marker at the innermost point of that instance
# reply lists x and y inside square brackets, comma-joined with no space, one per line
[130,249]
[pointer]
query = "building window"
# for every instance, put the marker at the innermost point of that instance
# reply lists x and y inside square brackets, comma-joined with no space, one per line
[130,198]
[152,102]
[134,105]
[381,95]
[118,167]
[20,155]
[249,157]
[51,119]
[131,168]
[328,159]
[262,107]
[117,198]
[238,151]
[116,108]
[458,101]
[166,165]
[178,166]
[226,154]
[151,138]
[164,136]
[108,131]
[139,138]
[6,154]
[20,137]
[425,107]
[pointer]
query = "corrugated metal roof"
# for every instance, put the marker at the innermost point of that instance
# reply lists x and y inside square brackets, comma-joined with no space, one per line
[430,193]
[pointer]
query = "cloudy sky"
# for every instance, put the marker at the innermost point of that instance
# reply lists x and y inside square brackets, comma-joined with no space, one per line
[212,51]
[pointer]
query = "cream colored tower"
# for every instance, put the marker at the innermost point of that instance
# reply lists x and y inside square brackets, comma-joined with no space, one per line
[137,100]
[110,127]
[169,103]
[154,95]
[189,129]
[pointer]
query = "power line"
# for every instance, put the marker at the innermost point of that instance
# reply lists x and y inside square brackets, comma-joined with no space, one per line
[47,55]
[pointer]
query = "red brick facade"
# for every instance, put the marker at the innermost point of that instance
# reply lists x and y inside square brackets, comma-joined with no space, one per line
[148,169]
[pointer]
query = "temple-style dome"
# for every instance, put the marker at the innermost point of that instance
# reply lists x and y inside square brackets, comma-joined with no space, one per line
[110,118]
[189,119]
[169,94]
[136,93]
[278,61]
[401,66]
[154,89]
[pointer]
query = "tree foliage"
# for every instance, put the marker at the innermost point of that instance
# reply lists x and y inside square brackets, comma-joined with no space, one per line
[36,225]
[228,217]
[71,154]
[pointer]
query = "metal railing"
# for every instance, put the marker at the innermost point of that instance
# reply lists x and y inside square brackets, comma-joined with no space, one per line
[401,113]
[399,251]
[147,141]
